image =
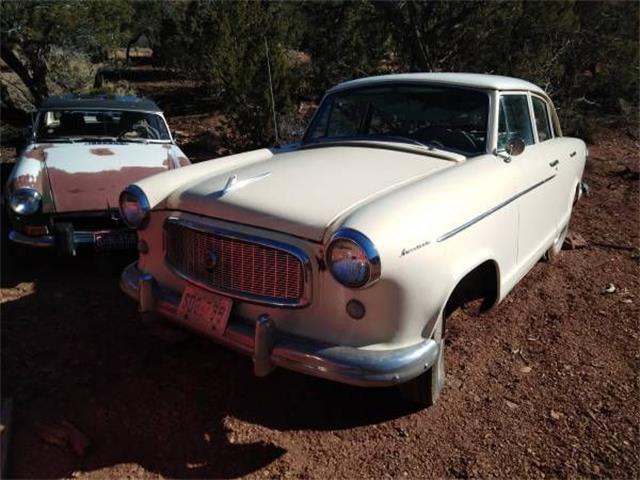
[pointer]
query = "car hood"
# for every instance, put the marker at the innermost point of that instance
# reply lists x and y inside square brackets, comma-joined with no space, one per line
[86,177]
[305,191]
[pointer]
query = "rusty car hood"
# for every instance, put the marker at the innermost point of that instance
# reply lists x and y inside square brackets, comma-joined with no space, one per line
[85,177]
[303,192]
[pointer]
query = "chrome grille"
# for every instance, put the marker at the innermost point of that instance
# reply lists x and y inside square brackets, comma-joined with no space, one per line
[222,261]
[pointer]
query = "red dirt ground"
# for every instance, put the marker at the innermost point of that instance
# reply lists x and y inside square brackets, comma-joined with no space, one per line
[544,385]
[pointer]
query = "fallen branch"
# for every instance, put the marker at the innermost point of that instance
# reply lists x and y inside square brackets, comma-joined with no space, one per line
[614,246]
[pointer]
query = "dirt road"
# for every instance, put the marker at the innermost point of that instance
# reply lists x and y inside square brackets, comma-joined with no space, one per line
[545,385]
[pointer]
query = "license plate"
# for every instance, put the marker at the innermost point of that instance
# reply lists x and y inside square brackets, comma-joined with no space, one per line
[123,240]
[204,311]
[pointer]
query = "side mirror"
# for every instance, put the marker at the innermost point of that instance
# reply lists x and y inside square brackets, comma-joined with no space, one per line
[515,147]
[178,137]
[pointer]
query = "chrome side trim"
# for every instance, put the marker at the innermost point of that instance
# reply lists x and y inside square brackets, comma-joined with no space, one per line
[265,242]
[475,220]
[270,347]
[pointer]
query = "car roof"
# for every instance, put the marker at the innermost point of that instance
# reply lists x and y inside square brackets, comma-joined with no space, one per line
[97,102]
[471,80]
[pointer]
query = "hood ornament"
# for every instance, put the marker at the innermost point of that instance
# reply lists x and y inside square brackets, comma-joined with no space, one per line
[234,184]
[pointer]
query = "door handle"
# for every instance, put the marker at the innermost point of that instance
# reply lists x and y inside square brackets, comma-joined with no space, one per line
[554,163]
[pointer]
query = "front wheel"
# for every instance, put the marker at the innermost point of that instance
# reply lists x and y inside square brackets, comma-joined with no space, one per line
[425,389]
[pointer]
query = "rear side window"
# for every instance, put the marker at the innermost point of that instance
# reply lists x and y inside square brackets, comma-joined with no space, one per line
[542,119]
[514,120]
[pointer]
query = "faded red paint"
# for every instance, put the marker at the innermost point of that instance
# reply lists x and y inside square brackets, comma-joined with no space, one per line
[102,152]
[85,191]
[39,183]
[27,181]
[184,161]
[38,153]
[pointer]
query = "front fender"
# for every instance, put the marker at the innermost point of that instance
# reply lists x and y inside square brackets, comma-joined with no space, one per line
[30,171]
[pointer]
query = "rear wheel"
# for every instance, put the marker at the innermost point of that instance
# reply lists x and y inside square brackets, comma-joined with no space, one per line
[425,389]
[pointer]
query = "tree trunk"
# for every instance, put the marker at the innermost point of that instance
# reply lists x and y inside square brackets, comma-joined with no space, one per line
[36,84]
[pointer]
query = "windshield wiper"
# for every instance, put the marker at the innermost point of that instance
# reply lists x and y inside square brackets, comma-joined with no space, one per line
[56,139]
[98,139]
[122,138]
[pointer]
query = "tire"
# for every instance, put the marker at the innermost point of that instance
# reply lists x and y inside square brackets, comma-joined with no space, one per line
[425,389]
[556,248]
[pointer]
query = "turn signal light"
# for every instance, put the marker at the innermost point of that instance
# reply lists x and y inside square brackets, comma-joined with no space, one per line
[35,230]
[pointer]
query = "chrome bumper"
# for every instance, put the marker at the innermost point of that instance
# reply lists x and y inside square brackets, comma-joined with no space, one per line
[80,239]
[271,348]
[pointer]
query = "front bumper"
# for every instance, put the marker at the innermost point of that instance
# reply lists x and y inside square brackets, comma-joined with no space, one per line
[270,348]
[66,241]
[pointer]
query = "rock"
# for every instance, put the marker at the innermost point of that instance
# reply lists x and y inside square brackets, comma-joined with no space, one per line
[574,241]
[64,434]
[511,404]
[526,369]
[610,288]
[556,415]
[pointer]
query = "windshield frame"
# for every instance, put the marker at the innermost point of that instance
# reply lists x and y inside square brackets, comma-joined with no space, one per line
[306,140]
[40,114]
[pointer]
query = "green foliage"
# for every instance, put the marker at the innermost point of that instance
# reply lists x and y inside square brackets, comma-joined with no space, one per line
[585,54]
[224,44]
[345,40]
[29,32]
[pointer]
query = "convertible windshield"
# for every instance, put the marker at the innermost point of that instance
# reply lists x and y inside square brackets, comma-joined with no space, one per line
[443,117]
[121,125]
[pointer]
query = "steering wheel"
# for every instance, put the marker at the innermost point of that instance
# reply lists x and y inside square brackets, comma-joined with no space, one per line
[441,136]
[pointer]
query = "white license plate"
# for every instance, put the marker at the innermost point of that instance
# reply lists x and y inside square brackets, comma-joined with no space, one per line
[204,311]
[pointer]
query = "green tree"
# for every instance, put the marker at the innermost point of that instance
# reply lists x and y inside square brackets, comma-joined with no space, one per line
[224,44]
[30,30]
[346,39]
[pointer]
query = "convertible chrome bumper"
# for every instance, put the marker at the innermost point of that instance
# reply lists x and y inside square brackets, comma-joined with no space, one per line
[270,347]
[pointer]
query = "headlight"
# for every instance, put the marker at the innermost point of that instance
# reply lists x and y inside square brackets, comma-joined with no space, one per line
[352,259]
[134,206]
[25,201]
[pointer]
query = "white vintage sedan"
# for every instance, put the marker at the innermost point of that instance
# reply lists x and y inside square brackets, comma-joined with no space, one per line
[342,256]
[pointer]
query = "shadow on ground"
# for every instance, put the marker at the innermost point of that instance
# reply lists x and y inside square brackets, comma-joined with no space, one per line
[73,348]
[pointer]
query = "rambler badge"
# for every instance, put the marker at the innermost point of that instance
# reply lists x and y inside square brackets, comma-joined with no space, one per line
[211,261]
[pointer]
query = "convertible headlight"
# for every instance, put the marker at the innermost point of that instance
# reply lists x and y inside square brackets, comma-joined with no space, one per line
[134,206]
[352,259]
[25,201]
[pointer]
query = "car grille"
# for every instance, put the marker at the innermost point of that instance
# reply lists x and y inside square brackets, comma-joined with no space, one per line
[242,268]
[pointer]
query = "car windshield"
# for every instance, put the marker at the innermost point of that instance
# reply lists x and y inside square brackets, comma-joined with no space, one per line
[449,118]
[120,125]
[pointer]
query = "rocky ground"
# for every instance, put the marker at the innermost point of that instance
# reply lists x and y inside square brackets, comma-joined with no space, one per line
[544,385]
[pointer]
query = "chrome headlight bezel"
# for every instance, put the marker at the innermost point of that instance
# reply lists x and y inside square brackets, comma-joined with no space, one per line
[134,218]
[367,249]
[25,201]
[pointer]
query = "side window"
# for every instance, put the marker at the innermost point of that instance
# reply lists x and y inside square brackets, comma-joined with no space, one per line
[514,120]
[542,118]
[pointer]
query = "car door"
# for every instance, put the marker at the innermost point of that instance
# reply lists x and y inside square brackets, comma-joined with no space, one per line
[537,211]
[555,150]
[562,155]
